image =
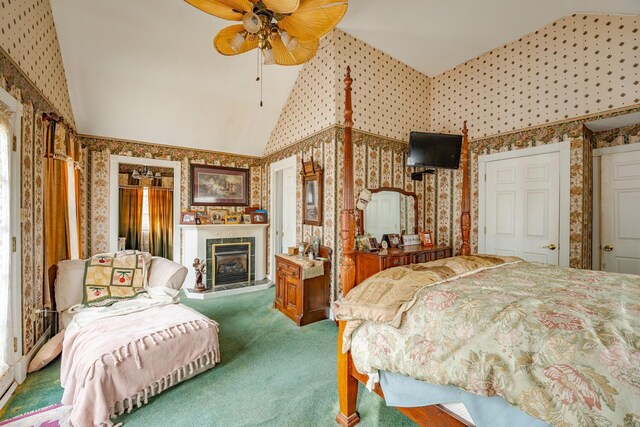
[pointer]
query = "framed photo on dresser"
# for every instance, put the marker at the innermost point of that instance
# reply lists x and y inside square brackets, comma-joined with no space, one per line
[219,186]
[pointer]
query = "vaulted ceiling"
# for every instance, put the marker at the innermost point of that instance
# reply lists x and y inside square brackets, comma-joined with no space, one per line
[146,69]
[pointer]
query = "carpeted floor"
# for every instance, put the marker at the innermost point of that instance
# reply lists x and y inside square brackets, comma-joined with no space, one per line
[272,373]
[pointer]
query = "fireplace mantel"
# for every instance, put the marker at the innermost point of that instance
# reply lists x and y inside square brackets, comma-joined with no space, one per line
[194,239]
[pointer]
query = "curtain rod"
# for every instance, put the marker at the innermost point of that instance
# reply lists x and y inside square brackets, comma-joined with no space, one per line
[54,117]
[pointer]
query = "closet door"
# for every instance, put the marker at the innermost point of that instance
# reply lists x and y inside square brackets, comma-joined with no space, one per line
[620,192]
[523,207]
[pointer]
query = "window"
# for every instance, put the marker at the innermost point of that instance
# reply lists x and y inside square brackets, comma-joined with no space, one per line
[145,220]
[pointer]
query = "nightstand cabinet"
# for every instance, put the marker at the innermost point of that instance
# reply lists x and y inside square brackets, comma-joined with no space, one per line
[302,300]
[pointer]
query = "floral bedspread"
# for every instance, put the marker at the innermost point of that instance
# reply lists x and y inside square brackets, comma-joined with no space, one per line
[561,344]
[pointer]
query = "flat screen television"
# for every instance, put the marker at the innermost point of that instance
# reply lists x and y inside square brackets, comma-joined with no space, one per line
[434,150]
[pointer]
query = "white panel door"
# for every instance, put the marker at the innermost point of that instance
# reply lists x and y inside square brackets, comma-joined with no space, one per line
[523,207]
[620,190]
[288,208]
[382,214]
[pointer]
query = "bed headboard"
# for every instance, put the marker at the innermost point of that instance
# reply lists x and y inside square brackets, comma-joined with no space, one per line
[347,214]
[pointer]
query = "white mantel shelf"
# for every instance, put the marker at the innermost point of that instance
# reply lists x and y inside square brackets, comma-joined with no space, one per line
[194,240]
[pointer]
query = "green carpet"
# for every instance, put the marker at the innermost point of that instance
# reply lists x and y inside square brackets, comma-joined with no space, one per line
[272,373]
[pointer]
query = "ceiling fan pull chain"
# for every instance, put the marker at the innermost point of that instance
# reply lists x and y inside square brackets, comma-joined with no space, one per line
[261,81]
[258,66]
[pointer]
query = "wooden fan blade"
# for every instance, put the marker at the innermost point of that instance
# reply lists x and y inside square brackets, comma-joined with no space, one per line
[301,54]
[314,18]
[281,6]
[225,9]
[223,39]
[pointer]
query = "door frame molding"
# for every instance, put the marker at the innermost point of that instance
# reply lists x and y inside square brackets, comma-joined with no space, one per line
[563,148]
[114,202]
[15,230]
[596,262]
[289,162]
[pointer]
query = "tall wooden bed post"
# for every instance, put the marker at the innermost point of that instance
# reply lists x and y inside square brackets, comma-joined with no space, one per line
[465,218]
[348,376]
[347,384]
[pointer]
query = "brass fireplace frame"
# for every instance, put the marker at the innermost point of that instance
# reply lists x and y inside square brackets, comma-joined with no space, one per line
[213,257]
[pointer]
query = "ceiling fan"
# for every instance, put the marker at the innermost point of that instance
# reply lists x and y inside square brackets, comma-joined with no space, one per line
[287,32]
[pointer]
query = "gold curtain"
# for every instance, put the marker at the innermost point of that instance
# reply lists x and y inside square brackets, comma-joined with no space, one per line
[161,223]
[130,224]
[61,147]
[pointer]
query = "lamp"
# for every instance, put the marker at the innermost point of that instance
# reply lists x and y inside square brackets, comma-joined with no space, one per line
[299,24]
[291,43]
[237,40]
[269,58]
[287,32]
[145,172]
[251,22]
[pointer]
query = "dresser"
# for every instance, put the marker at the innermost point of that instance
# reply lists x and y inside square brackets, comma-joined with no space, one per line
[302,291]
[369,263]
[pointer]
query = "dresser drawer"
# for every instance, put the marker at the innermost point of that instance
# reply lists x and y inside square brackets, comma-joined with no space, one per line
[396,261]
[420,258]
[289,270]
[442,254]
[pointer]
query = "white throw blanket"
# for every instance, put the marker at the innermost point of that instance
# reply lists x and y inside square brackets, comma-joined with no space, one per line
[114,358]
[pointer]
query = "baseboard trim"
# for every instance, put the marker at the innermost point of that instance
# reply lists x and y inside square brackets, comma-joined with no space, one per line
[23,364]
[5,397]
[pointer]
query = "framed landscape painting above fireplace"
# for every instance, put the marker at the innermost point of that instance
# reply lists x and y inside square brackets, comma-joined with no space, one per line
[219,186]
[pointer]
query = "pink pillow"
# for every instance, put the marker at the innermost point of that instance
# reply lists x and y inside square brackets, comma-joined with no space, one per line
[47,353]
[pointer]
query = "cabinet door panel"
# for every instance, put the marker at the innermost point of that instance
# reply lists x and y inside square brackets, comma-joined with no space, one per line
[291,298]
[280,289]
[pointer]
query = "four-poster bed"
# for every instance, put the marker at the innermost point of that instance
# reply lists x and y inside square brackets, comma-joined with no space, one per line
[469,324]
[348,376]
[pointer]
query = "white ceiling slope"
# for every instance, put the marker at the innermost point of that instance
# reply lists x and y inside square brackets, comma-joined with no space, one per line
[434,36]
[146,70]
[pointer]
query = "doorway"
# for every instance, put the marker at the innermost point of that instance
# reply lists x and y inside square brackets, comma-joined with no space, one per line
[524,204]
[283,207]
[145,205]
[11,359]
[616,230]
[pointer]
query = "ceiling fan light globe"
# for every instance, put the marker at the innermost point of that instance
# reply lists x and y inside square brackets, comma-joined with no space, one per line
[236,42]
[251,22]
[291,43]
[269,57]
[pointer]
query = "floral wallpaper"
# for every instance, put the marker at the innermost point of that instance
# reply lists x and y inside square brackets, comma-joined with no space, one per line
[576,66]
[378,162]
[32,198]
[29,37]
[391,98]
[99,150]
[620,136]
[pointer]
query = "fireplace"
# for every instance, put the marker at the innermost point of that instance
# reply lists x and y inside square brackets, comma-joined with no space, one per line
[229,262]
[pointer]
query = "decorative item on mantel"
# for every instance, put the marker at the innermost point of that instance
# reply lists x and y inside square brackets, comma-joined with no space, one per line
[200,268]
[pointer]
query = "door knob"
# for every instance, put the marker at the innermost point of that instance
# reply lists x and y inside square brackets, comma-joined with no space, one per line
[551,246]
[608,248]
